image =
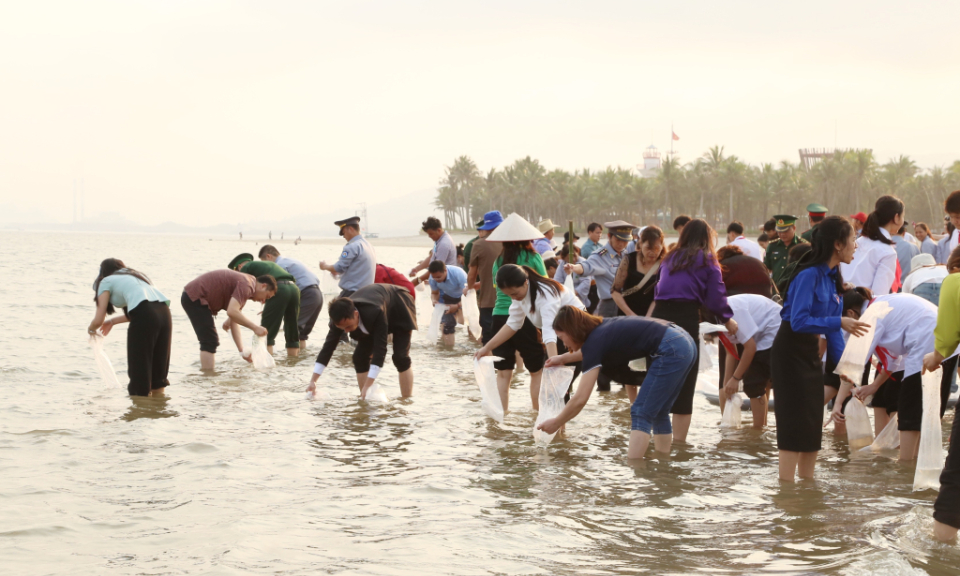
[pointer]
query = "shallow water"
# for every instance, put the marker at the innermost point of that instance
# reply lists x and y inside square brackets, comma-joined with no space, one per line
[237,474]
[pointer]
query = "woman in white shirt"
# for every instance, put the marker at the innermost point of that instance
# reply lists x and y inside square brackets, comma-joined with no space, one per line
[874,263]
[534,298]
[900,341]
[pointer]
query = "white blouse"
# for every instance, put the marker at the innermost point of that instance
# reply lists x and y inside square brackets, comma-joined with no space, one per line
[757,317]
[748,247]
[547,307]
[906,332]
[874,265]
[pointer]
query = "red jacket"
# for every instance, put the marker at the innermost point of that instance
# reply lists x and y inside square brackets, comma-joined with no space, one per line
[388,275]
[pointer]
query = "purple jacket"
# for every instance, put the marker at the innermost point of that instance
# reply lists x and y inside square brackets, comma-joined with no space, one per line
[701,282]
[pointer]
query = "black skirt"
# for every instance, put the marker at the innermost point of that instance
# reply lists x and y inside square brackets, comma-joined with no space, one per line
[685,314]
[798,388]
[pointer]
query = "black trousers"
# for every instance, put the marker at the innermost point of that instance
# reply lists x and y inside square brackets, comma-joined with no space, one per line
[148,347]
[401,352]
[947,507]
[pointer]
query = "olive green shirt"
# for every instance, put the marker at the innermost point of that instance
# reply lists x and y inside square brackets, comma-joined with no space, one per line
[260,267]
[776,257]
[808,235]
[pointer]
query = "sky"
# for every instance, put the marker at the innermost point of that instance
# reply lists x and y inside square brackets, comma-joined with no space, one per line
[204,113]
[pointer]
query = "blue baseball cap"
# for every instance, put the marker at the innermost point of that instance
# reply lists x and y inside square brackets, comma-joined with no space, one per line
[491,220]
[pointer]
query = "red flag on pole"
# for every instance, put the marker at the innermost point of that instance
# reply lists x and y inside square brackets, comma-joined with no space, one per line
[675,137]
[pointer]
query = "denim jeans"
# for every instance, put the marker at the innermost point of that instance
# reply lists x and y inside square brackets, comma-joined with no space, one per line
[929,291]
[666,373]
[448,321]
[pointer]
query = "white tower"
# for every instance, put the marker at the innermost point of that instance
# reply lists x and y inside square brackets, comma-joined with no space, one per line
[651,162]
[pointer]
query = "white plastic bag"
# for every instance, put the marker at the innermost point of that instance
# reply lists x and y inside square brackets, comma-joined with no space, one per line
[489,393]
[376,394]
[104,367]
[262,359]
[568,284]
[889,437]
[930,455]
[319,394]
[553,386]
[855,352]
[433,332]
[706,363]
[859,430]
[471,312]
[731,411]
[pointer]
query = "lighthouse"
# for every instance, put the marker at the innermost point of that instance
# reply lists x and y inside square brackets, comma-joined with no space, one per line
[651,162]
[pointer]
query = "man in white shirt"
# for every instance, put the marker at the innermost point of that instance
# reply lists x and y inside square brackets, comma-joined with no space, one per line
[736,238]
[925,278]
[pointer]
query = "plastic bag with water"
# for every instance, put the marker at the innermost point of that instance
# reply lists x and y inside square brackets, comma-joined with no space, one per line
[889,437]
[104,366]
[471,312]
[319,395]
[731,411]
[855,352]
[706,363]
[376,394]
[859,430]
[262,359]
[433,332]
[930,455]
[553,386]
[487,381]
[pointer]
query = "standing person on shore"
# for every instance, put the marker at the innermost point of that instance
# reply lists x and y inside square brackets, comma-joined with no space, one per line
[592,244]
[609,345]
[357,265]
[311,297]
[690,277]
[517,236]
[447,284]
[284,307]
[148,312]
[483,255]
[815,214]
[736,238]
[219,290]
[776,257]
[927,245]
[812,289]
[546,243]
[443,249]
[373,312]
[874,264]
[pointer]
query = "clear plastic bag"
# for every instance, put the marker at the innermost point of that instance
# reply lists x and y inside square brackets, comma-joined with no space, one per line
[376,394]
[568,284]
[855,352]
[889,437]
[487,382]
[471,312]
[930,455]
[262,359]
[319,395]
[433,332]
[859,430]
[104,366]
[706,363]
[553,386]
[731,411]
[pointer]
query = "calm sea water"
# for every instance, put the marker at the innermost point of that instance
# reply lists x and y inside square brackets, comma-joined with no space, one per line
[237,474]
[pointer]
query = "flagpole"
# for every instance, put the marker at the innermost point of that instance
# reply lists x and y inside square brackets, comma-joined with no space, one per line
[671,138]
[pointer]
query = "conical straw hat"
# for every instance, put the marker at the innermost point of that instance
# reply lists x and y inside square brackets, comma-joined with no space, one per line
[514,229]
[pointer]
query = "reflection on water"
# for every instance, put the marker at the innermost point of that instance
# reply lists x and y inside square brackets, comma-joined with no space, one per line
[235,473]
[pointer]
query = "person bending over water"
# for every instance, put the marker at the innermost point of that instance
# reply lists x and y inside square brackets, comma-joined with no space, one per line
[148,312]
[609,345]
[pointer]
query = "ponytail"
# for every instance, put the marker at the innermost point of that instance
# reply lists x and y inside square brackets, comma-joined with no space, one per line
[884,211]
[855,298]
[513,276]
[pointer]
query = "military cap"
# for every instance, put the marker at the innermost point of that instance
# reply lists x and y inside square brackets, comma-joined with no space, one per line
[817,209]
[620,229]
[236,262]
[785,221]
[355,221]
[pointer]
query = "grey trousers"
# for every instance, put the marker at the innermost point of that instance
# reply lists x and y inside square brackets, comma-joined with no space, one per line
[311,301]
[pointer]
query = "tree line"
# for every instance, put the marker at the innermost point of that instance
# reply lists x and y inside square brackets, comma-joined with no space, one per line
[712,187]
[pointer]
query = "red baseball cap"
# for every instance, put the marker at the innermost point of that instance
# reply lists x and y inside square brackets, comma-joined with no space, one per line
[859,216]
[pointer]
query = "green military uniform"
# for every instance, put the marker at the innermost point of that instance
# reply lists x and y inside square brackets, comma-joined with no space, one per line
[814,210]
[776,257]
[285,304]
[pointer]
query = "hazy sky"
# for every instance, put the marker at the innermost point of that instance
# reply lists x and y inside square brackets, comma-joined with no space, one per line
[209,112]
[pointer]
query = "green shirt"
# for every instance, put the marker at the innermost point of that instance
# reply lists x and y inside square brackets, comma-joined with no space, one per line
[776,257]
[808,235]
[531,259]
[947,333]
[466,253]
[258,268]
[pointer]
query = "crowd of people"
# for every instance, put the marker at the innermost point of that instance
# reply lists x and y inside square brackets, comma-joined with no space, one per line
[781,306]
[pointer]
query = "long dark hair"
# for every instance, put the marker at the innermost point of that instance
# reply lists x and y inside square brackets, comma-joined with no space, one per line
[512,250]
[513,276]
[884,211]
[696,238]
[854,298]
[831,230]
[650,235]
[112,266]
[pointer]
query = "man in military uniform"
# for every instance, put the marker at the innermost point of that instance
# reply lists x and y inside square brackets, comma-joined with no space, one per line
[357,265]
[816,213]
[776,257]
[283,307]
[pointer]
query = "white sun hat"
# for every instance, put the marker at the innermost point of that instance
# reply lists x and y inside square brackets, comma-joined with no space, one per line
[922,260]
[514,229]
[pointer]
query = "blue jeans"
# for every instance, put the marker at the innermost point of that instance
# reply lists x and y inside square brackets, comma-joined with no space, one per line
[929,291]
[675,357]
[448,321]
